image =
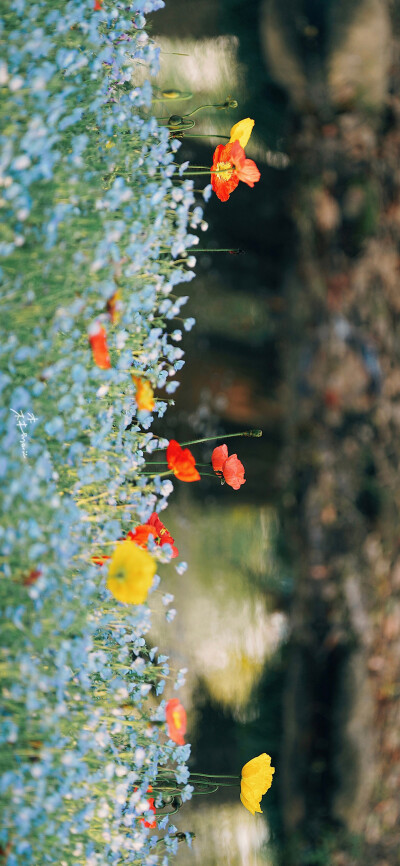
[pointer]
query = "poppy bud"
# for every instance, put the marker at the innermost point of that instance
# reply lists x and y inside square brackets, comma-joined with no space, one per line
[171,94]
[175,120]
[255,433]
[230,103]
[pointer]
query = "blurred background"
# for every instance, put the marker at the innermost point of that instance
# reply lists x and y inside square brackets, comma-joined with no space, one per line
[289,614]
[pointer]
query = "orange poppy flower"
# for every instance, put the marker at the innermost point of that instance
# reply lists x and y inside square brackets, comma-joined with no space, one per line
[182,462]
[144,394]
[230,467]
[176,721]
[229,167]
[97,5]
[98,342]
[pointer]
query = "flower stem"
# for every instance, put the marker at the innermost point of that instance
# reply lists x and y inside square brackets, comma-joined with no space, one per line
[208,171]
[200,107]
[157,474]
[212,250]
[206,135]
[214,776]
[252,433]
[92,498]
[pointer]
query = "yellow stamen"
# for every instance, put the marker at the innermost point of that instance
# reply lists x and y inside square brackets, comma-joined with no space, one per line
[225,170]
[177,719]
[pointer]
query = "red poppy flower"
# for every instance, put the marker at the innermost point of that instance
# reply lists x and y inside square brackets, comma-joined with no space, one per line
[97,5]
[182,462]
[32,577]
[218,457]
[229,167]
[152,808]
[156,528]
[176,721]
[230,467]
[162,534]
[98,342]
[99,560]
[141,534]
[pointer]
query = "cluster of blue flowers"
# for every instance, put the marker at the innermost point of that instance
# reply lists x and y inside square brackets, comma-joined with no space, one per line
[96,227]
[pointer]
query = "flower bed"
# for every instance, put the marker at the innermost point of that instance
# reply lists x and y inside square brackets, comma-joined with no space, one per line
[93,242]
[97,220]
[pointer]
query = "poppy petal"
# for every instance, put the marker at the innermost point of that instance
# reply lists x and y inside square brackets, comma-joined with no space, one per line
[218,457]
[241,131]
[248,172]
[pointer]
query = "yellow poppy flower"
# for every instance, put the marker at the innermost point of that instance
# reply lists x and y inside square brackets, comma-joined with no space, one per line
[241,131]
[130,573]
[144,394]
[256,780]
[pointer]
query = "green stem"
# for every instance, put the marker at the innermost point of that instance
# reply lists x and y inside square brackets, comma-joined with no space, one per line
[200,107]
[158,463]
[206,135]
[252,433]
[212,250]
[214,776]
[157,474]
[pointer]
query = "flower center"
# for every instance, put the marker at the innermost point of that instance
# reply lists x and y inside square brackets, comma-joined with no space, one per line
[176,716]
[225,170]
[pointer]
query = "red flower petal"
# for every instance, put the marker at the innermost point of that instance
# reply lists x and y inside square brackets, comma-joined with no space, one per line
[223,184]
[155,521]
[249,173]
[32,577]
[98,342]
[218,457]
[182,462]
[152,808]
[140,535]
[163,536]
[99,560]
[233,472]
[176,721]
[237,154]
